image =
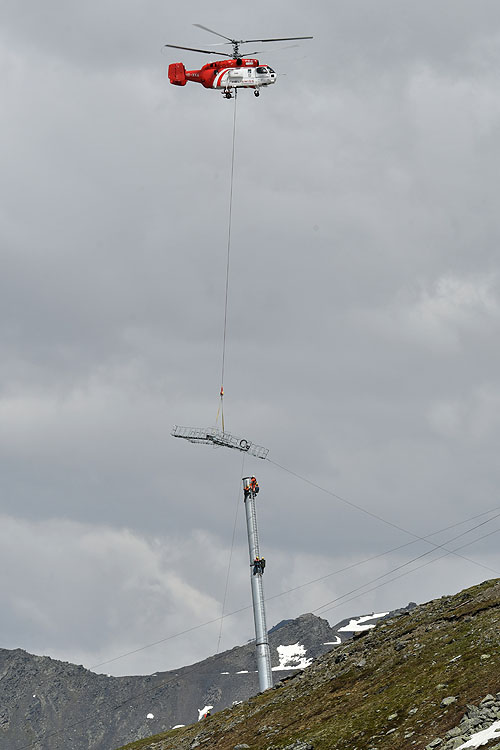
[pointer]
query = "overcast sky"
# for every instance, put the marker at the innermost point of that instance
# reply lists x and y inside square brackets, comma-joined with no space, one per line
[363,322]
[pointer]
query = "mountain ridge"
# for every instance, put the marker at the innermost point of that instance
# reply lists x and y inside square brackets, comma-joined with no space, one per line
[417,680]
[40,696]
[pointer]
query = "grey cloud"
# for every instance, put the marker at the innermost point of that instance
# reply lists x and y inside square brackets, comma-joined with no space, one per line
[363,305]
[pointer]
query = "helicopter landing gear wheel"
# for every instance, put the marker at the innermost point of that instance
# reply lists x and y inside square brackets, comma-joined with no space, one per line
[256,92]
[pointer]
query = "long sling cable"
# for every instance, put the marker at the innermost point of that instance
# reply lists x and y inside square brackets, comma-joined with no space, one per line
[221,402]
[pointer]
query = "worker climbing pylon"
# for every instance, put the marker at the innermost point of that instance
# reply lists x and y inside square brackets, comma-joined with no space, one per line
[252,488]
[258,566]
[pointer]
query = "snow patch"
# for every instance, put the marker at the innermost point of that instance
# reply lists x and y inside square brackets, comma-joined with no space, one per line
[178,726]
[355,625]
[482,738]
[292,657]
[333,643]
[150,716]
[202,712]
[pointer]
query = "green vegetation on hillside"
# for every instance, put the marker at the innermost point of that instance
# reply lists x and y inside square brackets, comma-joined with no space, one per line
[382,690]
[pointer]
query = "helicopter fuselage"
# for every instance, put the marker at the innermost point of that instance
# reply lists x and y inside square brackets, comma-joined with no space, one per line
[225,74]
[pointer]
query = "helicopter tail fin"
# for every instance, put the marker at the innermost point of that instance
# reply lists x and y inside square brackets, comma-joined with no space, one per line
[177,74]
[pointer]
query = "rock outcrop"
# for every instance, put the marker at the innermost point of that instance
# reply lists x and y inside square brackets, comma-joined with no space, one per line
[481,718]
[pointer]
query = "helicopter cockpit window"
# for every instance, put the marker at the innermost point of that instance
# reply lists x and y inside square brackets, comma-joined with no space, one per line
[261,70]
[270,70]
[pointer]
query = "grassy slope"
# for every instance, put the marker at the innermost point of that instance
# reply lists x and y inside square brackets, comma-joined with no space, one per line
[354,696]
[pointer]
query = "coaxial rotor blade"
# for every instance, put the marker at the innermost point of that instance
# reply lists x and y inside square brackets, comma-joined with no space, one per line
[273,49]
[278,39]
[194,49]
[205,28]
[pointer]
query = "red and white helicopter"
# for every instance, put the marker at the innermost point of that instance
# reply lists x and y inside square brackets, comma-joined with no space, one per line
[225,75]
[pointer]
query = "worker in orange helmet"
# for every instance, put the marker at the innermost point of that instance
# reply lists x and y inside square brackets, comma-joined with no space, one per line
[254,487]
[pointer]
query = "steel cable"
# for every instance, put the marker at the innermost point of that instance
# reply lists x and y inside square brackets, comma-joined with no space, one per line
[228,255]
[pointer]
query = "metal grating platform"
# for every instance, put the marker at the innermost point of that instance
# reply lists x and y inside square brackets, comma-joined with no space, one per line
[212,436]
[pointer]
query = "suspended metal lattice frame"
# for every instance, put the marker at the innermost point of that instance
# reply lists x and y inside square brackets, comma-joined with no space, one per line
[212,436]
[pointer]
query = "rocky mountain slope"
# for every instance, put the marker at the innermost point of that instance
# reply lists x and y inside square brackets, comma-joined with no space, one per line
[426,679]
[46,704]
